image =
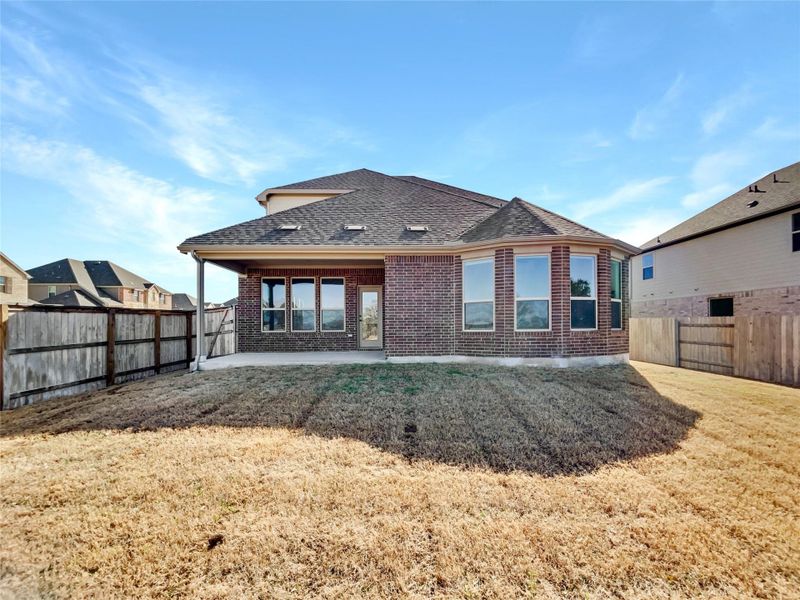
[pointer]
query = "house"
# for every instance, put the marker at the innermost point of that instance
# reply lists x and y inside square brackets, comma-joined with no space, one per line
[363,260]
[189,303]
[739,257]
[13,282]
[71,282]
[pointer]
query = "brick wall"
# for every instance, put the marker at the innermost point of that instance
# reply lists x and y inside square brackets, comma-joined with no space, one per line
[426,307]
[418,301]
[771,301]
[252,339]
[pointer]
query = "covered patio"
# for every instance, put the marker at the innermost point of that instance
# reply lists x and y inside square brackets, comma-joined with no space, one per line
[276,359]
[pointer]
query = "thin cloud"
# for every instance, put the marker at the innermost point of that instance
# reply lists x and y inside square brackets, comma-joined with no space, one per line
[712,175]
[725,109]
[642,229]
[632,192]
[651,119]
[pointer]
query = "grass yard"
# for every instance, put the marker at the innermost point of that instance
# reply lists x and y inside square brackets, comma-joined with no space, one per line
[447,481]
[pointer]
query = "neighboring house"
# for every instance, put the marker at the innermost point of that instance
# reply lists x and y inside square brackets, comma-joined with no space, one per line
[739,257]
[363,260]
[95,282]
[13,282]
[187,302]
[231,302]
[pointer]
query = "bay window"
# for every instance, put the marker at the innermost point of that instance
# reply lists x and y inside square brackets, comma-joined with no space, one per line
[332,304]
[583,291]
[616,294]
[303,304]
[478,294]
[531,292]
[273,304]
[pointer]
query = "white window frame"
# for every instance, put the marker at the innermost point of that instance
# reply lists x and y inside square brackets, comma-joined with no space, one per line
[52,291]
[322,308]
[3,283]
[586,298]
[464,303]
[524,298]
[611,279]
[285,308]
[292,308]
[653,256]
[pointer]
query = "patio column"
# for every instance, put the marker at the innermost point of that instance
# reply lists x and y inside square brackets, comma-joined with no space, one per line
[200,326]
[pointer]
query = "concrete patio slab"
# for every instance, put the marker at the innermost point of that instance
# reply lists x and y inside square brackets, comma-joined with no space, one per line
[275,359]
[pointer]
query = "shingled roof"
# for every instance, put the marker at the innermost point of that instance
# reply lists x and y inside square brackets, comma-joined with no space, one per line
[776,191]
[386,206]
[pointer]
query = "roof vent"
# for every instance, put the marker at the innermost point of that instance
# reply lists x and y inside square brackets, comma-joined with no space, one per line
[417,228]
[776,180]
[754,189]
[288,227]
[752,204]
[355,227]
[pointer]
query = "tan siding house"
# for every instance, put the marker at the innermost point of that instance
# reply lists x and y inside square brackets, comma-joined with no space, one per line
[727,259]
[13,282]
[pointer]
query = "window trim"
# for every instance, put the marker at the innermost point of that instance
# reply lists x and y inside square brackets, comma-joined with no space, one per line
[795,232]
[321,308]
[611,279]
[549,298]
[584,298]
[5,281]
[292,308]
[261,304]
[54,291]
[464,264]
[653,267]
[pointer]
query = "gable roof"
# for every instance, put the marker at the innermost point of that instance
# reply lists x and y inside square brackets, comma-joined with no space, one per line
[14,265]
[75,297]
[66,271]
[105,273]
[183,301]
[777,191]
[386,206]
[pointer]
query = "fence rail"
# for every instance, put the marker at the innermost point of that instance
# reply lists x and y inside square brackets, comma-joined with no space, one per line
[54,351]
[765,348]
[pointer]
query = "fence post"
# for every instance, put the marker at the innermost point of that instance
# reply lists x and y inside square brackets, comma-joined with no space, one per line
[677,342]
[157,341]
[111,338]
[188,340]
[3,323]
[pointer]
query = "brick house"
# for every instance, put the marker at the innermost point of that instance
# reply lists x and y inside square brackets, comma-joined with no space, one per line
[70,282]
[362,260]
[740,257]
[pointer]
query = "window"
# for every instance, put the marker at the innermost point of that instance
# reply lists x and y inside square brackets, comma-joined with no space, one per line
[616,294]
[583,292]
[532,292]
[51,291]
[332,304]
[478,294]
[137,296]
[273,304]
[720,307]
[303,305]
[162,299]
[796,232]
[5,285]
[647,266]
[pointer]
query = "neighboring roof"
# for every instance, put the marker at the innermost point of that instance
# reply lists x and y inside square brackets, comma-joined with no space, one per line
[105,273]
[231,302]
[183,302]
[75,297]
[14,265]
[781,190]
[66,271]
[386,205]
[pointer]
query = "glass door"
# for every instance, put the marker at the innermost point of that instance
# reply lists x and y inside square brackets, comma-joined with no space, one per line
[370,317]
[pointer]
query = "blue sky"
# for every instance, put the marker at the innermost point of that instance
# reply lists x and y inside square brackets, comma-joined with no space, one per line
[127,127]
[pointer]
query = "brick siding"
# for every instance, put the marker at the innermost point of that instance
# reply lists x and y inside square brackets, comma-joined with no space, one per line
[252,339]
[771,301]
[423,311]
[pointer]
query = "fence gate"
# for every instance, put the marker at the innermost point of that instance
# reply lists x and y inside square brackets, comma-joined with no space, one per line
[706,344]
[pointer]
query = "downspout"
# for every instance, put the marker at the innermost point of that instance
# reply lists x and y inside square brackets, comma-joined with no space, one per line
[200,324]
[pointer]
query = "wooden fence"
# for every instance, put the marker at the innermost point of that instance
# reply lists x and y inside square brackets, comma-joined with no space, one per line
[765,348]
[55,351]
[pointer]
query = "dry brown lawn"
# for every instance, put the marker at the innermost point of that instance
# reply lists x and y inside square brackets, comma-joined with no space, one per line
[406,481]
